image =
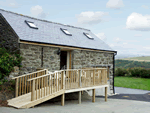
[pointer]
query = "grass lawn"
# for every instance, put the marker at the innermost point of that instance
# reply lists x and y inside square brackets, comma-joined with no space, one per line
[131,82]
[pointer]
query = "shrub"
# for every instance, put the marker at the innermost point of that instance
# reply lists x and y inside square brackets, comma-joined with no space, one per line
[6,85]
[8,61]
[138,72]
[121,72]
[133,72]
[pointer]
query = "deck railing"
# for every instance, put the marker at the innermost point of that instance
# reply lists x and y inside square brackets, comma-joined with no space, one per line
[66,80]
[80,78]
[22,85]
[46,85]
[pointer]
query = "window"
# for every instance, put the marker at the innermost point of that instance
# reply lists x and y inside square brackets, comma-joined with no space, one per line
[66,31]
[87,35]
[31,24]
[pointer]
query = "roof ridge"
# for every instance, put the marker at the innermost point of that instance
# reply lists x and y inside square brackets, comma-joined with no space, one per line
[44,20]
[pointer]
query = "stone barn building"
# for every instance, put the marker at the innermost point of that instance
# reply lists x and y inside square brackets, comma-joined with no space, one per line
[54,46]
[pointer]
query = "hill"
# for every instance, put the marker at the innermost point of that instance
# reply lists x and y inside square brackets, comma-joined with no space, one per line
[140,59]
[131,63]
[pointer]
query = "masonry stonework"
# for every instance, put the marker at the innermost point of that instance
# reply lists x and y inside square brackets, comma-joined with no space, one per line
[82,59]
[51,60]
[32,58]
[8,37]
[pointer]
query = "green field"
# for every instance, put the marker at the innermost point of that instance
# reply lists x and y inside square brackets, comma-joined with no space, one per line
[134,83]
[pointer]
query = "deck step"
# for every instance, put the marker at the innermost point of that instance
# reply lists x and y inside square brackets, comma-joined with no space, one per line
[25,100]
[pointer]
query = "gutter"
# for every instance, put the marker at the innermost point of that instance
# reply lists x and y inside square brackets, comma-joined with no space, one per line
[114,71]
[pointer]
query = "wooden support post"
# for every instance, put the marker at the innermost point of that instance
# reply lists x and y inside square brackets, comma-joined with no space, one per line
[105,93]
[79,97]
[16,87]
[80,84]
[108,72]
[64,77]
[106,77]
[93,96]
[63,99]
[46,71]
[94,77]
[82,92]
[33,90]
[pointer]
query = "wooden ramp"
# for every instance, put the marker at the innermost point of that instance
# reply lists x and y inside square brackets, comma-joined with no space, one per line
[24,101]
[37,87]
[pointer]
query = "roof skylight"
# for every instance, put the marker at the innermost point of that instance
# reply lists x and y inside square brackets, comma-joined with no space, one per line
[87,35]
[66,31]
[31,24]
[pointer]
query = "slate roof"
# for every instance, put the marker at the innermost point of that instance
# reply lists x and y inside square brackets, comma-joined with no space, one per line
[49,32]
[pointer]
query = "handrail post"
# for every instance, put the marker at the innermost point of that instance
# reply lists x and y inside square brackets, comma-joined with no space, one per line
[94,77]
[108,72]
[106,77]
[64,80]
[16,87]
[46,71]
[80,82]
[33,90]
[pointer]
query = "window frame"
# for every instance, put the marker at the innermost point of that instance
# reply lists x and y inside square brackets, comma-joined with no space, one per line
[65,32]
[86,34]
[27,22]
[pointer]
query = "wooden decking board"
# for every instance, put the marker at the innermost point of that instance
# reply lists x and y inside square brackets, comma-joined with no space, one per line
[26,99]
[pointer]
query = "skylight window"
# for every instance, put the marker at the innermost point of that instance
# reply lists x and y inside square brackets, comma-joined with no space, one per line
[87,35]
[31,24]
[66,31]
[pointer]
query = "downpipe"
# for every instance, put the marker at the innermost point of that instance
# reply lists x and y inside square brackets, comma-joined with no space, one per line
[114,71]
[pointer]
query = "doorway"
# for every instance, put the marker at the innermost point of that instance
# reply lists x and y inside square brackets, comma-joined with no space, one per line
[65,60]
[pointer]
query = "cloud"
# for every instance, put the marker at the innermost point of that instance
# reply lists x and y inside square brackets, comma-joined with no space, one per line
[37,11]
[111,45]
[120,12]
[138,35]
[138,22]
[125,43]
[147,39]
[123,48]
[145,7]
[90,18]
[148,48]
[102,36]
[117,40]
[9,3]
[115,4]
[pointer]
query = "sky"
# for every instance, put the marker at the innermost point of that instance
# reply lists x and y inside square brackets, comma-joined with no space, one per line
[123,24]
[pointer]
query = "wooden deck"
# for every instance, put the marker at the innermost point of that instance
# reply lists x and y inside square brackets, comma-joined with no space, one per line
[36,88]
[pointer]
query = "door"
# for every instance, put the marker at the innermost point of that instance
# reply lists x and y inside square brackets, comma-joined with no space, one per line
[65,60]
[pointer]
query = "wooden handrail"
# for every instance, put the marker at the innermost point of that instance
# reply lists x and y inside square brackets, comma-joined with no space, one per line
[22,85]
[45,75]
[38,77]
[29,74]
[82,69]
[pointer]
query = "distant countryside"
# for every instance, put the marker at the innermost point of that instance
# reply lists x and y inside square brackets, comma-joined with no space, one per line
[133,73]
[143,62]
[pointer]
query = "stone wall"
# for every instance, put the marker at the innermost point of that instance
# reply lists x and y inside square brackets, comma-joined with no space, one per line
[7,35]
[32,58]
[82,59]
[51,60]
